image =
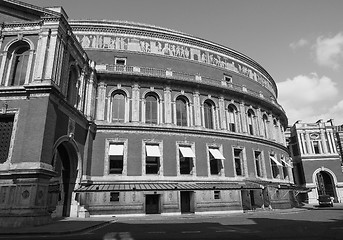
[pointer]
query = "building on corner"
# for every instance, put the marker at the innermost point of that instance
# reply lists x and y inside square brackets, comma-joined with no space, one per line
[111,117]
[316,161]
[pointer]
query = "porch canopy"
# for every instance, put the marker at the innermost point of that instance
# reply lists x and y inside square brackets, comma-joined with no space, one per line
[119,187]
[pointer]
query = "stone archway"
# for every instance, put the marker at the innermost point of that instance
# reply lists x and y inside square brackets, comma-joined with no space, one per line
[65,162]
[325,184]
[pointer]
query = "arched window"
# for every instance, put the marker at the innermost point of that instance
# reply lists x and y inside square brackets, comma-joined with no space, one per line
[265,125]
[118,107]
[19,63]
[151,109]
[251,119]
[232,110]
[181,112]
[208,114]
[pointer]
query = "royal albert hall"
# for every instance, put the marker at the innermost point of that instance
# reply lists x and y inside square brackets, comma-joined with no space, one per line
[183,125]
[142,119]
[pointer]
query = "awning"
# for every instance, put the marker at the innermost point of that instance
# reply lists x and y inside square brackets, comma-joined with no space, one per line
[116,150]
[153,151]
[118,187]
[287,164]
[216,153]
[275,161]
[187,152]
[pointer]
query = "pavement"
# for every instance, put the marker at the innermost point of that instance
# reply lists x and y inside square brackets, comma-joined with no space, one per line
[67,226]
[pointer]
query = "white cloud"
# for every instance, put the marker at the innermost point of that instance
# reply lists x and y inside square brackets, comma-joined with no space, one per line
[308,97]
[298,44]
[329,51]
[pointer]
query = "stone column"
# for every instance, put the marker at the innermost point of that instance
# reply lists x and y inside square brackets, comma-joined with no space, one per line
[101,103]
[301,142]
[308,143]
[197,109]
[243,121]
[43,43]
[50,56]
[167,106]
[222,115]
[135,103]
[259,121]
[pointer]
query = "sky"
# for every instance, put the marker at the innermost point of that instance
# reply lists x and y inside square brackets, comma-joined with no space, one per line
[299,42]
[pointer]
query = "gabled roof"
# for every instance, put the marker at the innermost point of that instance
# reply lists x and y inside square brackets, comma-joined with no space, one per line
[21,11]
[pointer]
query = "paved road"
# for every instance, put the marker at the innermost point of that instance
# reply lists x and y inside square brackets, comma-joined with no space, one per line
[322,223]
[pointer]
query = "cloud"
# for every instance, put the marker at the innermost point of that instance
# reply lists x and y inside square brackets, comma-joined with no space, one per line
[329,51]
[298,44]
[306,97]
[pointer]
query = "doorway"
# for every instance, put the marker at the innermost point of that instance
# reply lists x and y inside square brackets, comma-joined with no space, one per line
[62,184]
[185,199]
[152,204]
[325,184]
[246,200]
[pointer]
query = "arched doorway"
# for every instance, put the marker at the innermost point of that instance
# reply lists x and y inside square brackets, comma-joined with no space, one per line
[325,184]
[61,186]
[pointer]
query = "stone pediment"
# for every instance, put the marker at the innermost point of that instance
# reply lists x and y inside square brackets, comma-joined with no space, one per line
[16,11]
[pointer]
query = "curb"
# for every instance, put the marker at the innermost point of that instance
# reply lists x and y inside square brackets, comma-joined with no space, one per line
[69,232]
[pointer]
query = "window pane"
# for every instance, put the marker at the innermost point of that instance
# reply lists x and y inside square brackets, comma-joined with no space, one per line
[118,108]
[151,110]
[238,162]
[208,115]
[6,126]
[185,165]
[231,119]
[258,163]
[116,164]
[181,112]
[19,66]
[151,165]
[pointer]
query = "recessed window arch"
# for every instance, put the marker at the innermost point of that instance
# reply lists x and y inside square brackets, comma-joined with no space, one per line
[251,122]
[265,125]
[18,63]
[232,118]
[182,111]
[151,108]
[118,106]
[209,110]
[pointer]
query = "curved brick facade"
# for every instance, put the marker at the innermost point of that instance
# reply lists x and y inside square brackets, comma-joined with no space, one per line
[127,118]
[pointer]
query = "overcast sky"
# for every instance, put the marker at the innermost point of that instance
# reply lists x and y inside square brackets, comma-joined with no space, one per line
[299,42]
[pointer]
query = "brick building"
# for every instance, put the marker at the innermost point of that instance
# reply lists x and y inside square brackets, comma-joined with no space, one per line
[163,123]
[316,162]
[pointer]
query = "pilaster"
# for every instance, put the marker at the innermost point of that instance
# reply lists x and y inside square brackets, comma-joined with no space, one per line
[167,106]
[100,113]
[197,109]
[135,103]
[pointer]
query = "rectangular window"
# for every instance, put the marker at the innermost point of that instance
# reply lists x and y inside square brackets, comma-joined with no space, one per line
[120,64]
[275,166]
[6,127]
[316,147]
[216,195]
[257,155]
[186,159]
[238,161]
[114,197]
[216,158]
[152,159]
[116,158]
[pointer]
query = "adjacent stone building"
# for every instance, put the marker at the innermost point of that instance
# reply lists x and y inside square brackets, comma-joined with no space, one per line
[316,162]
[163,123]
